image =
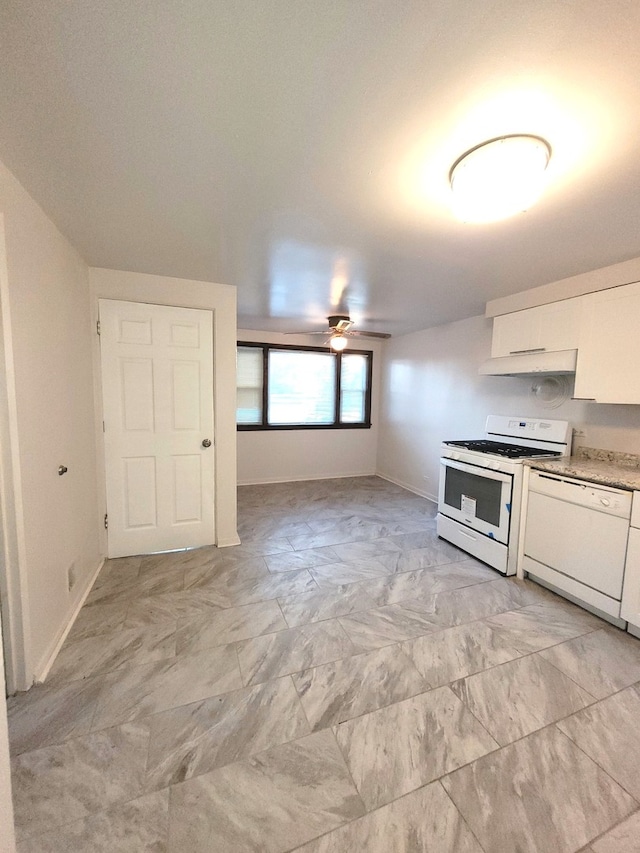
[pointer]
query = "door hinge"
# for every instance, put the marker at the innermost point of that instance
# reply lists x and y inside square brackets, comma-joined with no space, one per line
[106,521]
[98,327]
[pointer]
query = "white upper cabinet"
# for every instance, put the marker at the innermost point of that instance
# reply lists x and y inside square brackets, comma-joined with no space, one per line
[608,368]
[546,328]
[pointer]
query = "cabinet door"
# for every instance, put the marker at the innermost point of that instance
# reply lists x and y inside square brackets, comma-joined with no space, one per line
[551,327]
[630,606]
[514,333]
[608,368]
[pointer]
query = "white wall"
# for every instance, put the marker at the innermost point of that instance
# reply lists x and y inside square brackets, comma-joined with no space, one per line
[287,455]
[221,300]
[47,354]
[431,391]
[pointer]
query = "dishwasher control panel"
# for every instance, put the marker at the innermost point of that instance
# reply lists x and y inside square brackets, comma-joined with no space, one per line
[605,500]
[608,500]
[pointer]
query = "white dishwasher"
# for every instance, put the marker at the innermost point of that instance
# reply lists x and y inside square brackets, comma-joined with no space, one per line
[575,540]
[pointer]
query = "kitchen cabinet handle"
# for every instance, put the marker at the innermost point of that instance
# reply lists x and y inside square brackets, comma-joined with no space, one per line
[525,351]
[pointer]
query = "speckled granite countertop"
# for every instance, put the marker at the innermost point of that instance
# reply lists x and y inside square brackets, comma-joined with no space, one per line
[605,467]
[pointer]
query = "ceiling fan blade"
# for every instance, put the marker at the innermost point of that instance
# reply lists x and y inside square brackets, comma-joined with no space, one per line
[307,332]
[362,334]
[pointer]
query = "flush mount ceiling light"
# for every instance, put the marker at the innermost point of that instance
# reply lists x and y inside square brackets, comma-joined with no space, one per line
[499,177]
[338,343]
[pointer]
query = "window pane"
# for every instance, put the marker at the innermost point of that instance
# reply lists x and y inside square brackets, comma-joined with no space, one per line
[353,382]
[301,387]
[249,381]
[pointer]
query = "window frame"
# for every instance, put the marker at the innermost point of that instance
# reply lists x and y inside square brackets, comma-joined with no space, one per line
[337,424]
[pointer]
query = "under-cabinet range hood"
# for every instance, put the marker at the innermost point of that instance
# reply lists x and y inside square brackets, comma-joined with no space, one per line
[531,362]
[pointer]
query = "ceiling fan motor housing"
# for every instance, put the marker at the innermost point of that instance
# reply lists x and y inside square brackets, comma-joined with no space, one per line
[340,322]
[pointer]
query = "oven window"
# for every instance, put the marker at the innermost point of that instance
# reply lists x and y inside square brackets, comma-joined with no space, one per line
[462,488]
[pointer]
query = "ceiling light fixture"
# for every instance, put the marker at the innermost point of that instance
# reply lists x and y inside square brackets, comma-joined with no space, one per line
[499,177]
[338,343]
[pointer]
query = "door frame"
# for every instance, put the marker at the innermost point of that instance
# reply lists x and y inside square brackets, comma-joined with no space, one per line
[220,299]
[16,628]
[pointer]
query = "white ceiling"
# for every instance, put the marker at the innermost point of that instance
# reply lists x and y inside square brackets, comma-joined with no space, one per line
[300,149]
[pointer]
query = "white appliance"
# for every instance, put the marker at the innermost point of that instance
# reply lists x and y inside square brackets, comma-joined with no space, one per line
[630,604]
[575,540]
[480,493]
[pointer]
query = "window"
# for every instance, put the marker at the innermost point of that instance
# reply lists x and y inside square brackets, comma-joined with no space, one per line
[283,387]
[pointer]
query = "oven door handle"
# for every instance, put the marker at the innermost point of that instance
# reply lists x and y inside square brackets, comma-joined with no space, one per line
[478,470]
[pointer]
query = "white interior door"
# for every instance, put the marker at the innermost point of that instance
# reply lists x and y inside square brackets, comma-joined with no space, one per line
[157,386]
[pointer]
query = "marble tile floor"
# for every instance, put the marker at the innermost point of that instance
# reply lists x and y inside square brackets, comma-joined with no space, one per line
[341,681]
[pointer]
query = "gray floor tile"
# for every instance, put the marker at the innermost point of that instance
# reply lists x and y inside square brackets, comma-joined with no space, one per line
[100,619]
[454,653]
[337,574]
[524,592]
[142,690]
[603,731]
[176,561]
[123,569]
[455,607]
[51,714]
[234,589]
[624,838]
[59,784]
[226,626]
[229,568]
[519,697]
[194,739]
[270,803]
[272,528]
[325,604]
[291,560]
[292,650]
[118,589]
[425,820]
[139,825]
[614,661]
[179,560]
[256,548]
[421,583]
[341,533]
[400,748]
[168,606]
[102,654]
[245,772]
[539,794]
[347,688]
[384,626]
[431,556]
[537,627]
[363,550]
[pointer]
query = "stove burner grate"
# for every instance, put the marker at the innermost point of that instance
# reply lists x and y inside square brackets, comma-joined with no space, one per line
[499,448]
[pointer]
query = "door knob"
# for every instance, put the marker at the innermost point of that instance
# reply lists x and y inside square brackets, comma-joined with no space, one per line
[206,442]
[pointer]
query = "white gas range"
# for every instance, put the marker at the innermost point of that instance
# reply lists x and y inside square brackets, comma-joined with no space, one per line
[480,493]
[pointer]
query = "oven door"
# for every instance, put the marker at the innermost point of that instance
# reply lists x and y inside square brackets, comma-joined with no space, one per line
[477,497]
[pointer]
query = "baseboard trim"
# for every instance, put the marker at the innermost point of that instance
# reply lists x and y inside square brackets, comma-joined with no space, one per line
[409,488]
[47,661]
[224,543]
[305,479]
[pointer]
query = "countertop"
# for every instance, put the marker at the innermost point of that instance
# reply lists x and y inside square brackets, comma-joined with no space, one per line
[604,467]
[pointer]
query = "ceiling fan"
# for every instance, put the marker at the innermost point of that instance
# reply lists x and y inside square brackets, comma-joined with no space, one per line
[341,328]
